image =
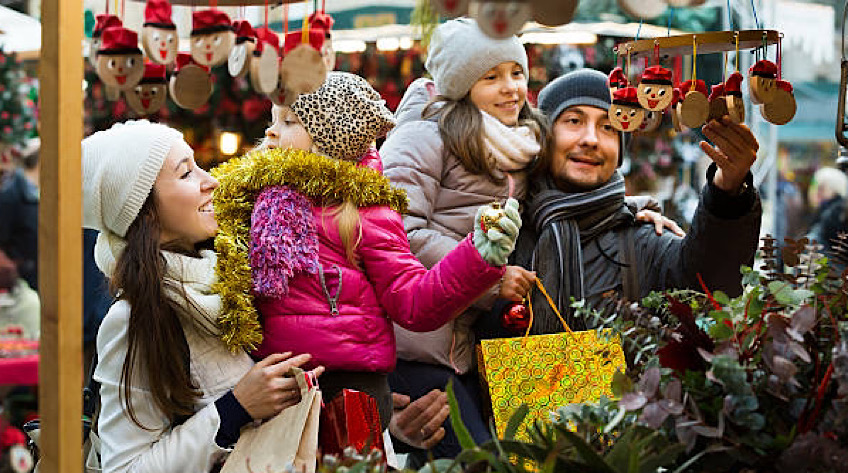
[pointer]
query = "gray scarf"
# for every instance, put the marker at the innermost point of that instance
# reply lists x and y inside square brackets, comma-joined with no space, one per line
[564,222]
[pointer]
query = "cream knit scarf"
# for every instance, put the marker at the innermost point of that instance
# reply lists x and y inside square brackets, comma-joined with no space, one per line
[511,148]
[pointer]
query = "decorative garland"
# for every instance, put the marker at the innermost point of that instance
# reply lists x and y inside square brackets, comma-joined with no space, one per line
[319,178]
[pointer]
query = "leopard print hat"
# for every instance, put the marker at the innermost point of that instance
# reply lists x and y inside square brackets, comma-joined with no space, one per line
[344,116]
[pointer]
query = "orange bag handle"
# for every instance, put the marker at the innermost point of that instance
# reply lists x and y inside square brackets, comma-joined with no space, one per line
[553,306]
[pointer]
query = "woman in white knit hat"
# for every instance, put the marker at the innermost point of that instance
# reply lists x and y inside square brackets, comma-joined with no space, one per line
[173,397]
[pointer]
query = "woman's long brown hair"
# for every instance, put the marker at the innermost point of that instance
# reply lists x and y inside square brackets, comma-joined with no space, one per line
[156,345]
[461,129]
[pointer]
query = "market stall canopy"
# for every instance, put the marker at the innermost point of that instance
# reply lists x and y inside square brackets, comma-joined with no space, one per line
[19,33]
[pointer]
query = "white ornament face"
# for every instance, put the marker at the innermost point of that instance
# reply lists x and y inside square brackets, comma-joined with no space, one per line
[451,8]
[654,97]
[502,19]
[147,98]
[212,49]
[626,118]
[20,459]
[160,44]
[122,71]
[762,89]
[265,70]
[239,59]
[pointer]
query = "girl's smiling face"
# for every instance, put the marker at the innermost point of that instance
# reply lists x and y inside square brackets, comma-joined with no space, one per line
[286,131]
[501,92]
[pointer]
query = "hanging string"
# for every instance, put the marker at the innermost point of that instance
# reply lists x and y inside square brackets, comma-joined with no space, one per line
[638,30]
[756,21]
[212,3]
[694,62]
[670,16]
[266,13]
[304,36]
[286,19]
[780,57]
[724,69]
[627,73]
[323,6]
[730,16]
[737,51]
[123,9]
[656,52]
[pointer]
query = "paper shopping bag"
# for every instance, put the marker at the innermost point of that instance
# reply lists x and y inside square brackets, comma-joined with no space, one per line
[351,419]
[290,437]
[547,371]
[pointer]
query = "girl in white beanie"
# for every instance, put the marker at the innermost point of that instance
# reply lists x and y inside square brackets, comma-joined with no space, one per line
[312,245]
[173,397]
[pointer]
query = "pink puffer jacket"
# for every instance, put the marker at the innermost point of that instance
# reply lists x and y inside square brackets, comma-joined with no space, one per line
[389,284]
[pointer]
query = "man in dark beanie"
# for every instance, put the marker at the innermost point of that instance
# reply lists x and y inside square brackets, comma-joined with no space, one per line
[584,242]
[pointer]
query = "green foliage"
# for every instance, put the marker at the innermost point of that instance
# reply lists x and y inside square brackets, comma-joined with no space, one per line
[17,107]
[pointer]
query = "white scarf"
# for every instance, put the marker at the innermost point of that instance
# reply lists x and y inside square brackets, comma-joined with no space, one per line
[511,148]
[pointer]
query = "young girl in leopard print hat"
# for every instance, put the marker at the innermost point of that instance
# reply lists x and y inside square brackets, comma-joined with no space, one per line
[312,251]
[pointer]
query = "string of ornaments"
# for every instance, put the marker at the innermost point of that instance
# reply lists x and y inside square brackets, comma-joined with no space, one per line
[140,75]
[690,104]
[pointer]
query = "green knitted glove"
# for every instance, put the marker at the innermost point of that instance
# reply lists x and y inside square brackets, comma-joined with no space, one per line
[498,241]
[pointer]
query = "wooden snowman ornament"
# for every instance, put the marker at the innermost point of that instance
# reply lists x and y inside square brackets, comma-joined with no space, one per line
[761,81]
[625,113]
[321,21]
[451,8]
[265,62]
[617,80]
[303,69]
[694,108]
[781,109]
[159,34]
[733,97]
[120,63]
[102,22]
[238,62]
[212,37]
[190,86]
[149,95]
[651,123]
[500,19]
[718,106]
[655,89]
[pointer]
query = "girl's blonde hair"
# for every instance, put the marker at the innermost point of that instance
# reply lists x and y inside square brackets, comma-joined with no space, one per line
[461,130]
[346,217]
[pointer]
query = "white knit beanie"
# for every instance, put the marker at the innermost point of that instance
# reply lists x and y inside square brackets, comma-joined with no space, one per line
[460,53]
[119,167]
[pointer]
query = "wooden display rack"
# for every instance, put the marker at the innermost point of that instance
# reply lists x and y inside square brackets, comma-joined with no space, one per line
[229,3]
[711,42]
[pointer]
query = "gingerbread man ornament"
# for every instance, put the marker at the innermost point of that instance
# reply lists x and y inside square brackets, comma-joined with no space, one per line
[212,37]
[159,34]
[655,89]
[625,113]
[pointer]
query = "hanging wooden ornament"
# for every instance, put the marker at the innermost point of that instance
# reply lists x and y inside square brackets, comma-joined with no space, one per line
[159,34]
[190,85]
[303,69]
[553,12]
[265,62]
[655,88]
[239,61]
[102,22]
[695,106]
[782,107]
[321,21]
[149,95]
[500,19]
[212,37]
[625,113]
[120,63]
[733,97]
[651,123]
[645,9]
[617,80]
[761,81]
[451,8]
[718,106]
[282,97]
[674,111]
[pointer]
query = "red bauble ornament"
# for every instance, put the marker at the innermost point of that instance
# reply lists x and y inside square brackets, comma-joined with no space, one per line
[516,317]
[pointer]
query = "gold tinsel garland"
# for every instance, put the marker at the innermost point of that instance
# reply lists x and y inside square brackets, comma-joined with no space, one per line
[321,179]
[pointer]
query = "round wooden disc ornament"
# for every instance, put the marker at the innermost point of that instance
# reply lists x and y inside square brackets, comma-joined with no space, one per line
[718,104]
[102,21]
[191,85]
[553,12]
[159,34]
[20,458]
[655,88]
[500,19]
[265,62]
[733,97]
[238,62]
[149,95]
[120,63]
[761,81]
[651,123]
[617,80]
[451,8]
[212,37]
[645,9]
[695,107]
[625,114]
[303,70]
[781,109]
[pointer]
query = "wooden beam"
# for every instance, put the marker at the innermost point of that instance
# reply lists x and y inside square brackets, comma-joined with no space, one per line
[60,236]
[709,42]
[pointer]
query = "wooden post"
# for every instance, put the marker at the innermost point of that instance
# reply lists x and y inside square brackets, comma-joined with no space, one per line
[60,236]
